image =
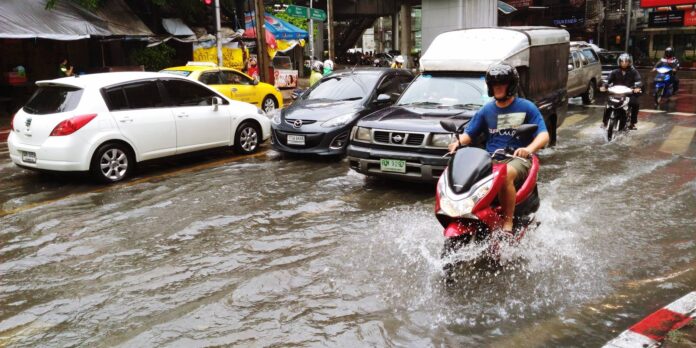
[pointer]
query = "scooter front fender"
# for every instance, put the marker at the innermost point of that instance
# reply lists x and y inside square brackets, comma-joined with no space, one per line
[456,229]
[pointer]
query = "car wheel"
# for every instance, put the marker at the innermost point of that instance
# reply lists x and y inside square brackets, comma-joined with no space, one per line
[247,138]
[269,103]
[112,162]
[589,96]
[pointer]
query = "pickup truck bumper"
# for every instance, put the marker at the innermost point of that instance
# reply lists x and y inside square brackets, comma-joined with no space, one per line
[419,167]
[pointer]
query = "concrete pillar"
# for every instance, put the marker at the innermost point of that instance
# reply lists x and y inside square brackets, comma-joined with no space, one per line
[395,31]
[439,16]
[379,37]
[405,34]
[651,51]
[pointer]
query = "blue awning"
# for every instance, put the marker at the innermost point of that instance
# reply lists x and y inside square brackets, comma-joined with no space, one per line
[280,29]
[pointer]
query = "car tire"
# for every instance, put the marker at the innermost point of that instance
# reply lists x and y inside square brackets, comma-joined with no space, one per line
[112,162]
[247,138]
[589,96]
[269,103]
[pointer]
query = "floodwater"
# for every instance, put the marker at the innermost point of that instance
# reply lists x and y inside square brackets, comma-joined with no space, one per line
[272,251]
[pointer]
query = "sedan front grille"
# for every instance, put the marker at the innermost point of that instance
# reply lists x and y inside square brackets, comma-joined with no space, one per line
[415,139]
[398,138]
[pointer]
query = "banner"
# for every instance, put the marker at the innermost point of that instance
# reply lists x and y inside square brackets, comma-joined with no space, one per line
[690,18]
[658,3]
[666,19]
[232,55]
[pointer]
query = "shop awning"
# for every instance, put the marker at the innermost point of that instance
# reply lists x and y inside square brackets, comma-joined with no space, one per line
[280,29]
[176,27]
[25,19]
[505,8]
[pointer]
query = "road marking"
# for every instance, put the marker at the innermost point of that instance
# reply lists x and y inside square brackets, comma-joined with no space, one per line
[134,182]
[571,120]
[652,111]
[678,140]
[681,114]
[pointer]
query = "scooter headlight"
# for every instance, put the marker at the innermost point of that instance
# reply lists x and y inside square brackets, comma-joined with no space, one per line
[463,205]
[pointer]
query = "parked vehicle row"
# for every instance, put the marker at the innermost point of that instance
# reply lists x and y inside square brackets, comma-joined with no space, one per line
[107,123]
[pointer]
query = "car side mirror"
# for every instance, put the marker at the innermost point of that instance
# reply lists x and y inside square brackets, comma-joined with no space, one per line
[254,82]
[453,126]
[570,67]
[216,102]
[383,99]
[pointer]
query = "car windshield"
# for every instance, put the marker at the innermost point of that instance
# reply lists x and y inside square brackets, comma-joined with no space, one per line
[608,58]
[446,91]
[53,99]
[344,87]
[184,73]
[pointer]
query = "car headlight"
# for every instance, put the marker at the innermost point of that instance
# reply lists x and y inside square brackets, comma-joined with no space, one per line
[441,140]
[275,116]
[338,121]
[463,206]
[363,134]
[260,112]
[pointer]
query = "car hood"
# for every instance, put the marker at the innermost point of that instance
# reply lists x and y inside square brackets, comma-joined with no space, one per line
[320,109]
[417,119]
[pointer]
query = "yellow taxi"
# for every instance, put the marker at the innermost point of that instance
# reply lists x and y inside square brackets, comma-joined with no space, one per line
[232,83]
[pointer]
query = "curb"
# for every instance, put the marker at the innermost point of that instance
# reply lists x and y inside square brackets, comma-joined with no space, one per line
[653,329]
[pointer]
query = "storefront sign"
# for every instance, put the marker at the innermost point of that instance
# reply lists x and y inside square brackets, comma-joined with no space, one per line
[568,21]
[690,18]
[658,3]
[666,19]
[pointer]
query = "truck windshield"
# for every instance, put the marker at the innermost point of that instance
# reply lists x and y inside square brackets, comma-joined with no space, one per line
[344,87]
[446,91]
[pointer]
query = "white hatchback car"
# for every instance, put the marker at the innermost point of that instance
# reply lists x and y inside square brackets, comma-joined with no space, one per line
[106,123]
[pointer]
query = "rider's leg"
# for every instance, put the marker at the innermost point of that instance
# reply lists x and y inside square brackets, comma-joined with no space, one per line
[605,118]
[635,107]
[506,196]
[675,83]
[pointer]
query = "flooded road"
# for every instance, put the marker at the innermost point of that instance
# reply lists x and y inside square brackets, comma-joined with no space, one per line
[271,251]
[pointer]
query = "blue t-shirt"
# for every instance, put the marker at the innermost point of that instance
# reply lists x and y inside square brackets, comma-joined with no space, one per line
[499,123]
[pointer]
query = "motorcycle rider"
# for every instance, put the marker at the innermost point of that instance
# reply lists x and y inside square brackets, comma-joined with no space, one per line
[316,75]
[625,75]
[328,67]
[499,118]
[670,60]
[398,62]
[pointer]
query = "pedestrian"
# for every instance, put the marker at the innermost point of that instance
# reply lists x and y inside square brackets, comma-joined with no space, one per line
[252,68]
[498,119]
[398,62]
[64,69]
[625,75]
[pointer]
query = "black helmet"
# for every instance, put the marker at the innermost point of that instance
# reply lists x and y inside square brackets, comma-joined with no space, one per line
[624,57]
[669,52]
[502,73]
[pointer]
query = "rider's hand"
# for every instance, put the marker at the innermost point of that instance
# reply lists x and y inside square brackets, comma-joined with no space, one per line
[453,146]
[603,89]
[636,90]
[654,69]
[522,152]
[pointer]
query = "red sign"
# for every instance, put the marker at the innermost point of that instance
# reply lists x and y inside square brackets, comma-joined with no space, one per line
[658,3]
[519,3]
[690,18]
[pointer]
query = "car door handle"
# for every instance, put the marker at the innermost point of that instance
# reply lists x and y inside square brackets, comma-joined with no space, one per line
[182,115]
[234,89]
[126,120]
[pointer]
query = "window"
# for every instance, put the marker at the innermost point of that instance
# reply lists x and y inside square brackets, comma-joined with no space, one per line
[660,42]
[234,78]
[589,55]
[53,99]
[116,100]
[576,59]
[183,73]
[184,93]
[389,86]
[211,78]
[143,95]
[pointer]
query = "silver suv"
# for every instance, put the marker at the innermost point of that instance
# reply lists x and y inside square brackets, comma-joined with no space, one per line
[584,72]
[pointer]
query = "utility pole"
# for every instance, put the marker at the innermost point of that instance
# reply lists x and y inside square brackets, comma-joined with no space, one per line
[218,37]
[311,37]
[628,24]
[262,53]
[329,22]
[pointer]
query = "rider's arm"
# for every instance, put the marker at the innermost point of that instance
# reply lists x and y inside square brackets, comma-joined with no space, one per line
[541,138]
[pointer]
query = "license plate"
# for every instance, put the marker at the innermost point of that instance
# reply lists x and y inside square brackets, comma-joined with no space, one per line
[392,165]
[29,157]
[296,139]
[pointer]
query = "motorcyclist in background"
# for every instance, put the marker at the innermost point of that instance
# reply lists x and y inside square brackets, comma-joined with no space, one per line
[316,75]
[625,75]
[328,67]
[671,61]
[398,62]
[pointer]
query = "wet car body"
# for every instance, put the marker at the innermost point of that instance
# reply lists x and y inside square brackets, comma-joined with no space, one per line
[321,125]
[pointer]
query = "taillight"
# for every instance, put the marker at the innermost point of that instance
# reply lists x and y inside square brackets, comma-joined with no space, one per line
[71,125]
[12,123]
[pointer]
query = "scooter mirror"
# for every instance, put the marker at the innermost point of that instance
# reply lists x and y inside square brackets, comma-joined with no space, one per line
[453,126]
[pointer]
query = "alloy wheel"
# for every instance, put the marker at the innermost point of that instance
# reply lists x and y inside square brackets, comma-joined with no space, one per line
[114,164]
[248,139]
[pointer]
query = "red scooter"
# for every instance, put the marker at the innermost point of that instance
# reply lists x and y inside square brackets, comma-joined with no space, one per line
[467,205]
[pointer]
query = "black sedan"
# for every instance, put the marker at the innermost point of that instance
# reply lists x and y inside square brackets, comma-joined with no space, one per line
[320,120]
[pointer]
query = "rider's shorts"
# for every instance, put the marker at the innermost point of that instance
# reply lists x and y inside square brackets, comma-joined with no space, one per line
[522,167]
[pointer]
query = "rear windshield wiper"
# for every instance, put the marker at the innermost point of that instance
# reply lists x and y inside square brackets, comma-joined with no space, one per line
[30,109]
[421,103]
[467,105]
[352,98]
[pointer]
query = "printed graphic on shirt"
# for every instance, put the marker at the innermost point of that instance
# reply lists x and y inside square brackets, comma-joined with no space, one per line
[507,123]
